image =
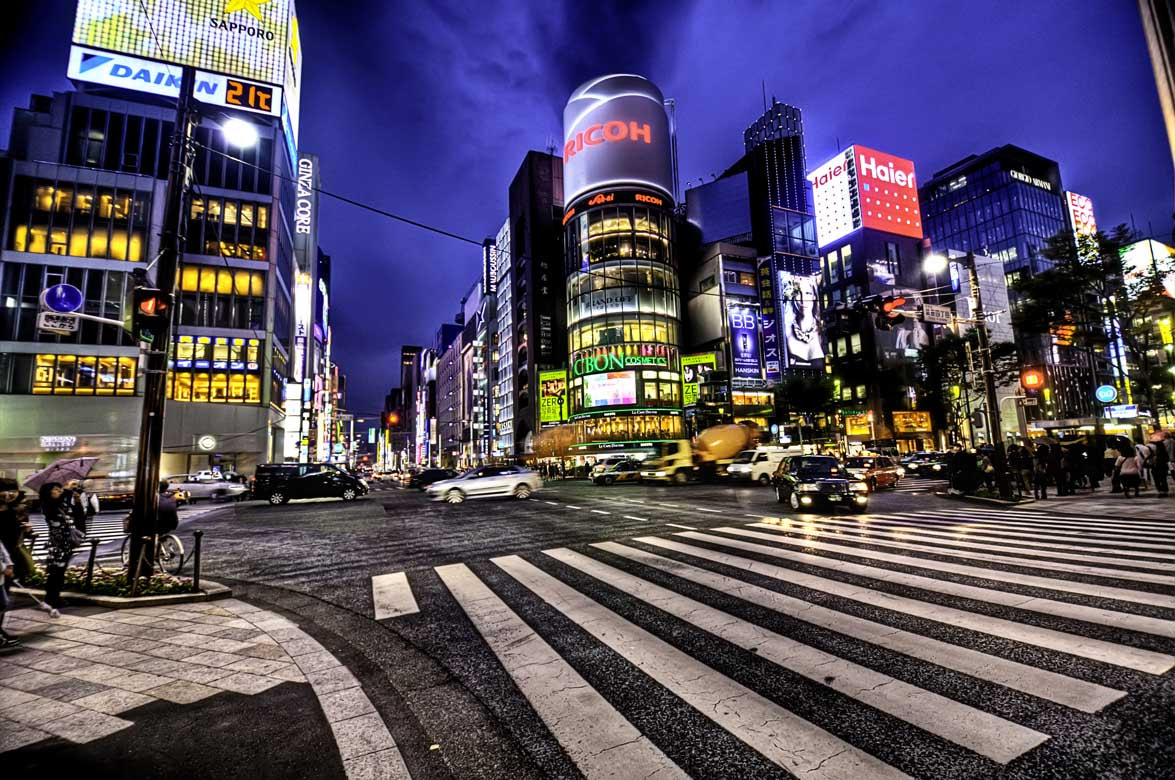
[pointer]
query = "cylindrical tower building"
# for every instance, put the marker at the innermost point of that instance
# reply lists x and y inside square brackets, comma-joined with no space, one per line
[623,302]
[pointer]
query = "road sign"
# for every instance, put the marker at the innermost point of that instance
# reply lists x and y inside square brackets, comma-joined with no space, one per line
[1030,402]
[1122,411]
[1107,394]
[62,299]
[57,323]
[933,313]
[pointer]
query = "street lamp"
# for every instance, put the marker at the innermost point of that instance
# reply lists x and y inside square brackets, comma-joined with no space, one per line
[240,133]
[934,264]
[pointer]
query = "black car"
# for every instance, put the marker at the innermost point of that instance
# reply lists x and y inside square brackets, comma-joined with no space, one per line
[928,464]
[422,479]
[277,483]
[805,481]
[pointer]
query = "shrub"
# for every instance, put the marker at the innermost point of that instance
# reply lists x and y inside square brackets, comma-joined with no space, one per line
[108,582]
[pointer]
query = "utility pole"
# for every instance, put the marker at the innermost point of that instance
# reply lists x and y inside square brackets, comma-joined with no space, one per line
[146,499]
[993,404]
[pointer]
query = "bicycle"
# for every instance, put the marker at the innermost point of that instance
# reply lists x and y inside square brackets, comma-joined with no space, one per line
[169,552]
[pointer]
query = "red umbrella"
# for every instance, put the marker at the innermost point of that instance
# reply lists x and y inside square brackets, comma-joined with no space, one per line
[62,471]
[1158,436]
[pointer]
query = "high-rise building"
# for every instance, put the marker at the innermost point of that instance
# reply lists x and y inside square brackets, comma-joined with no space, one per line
[538,315]
[1158,24]
[502,349]
[623,303]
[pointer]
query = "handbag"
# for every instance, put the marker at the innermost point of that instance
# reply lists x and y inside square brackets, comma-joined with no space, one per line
[76,538]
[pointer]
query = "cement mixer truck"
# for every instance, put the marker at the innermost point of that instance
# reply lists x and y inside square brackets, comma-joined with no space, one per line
[706,458]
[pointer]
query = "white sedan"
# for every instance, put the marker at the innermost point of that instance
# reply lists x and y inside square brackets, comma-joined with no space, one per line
[486,481]
[199,487]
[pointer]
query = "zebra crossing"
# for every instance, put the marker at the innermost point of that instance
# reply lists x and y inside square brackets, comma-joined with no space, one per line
[933,644]
[106,527]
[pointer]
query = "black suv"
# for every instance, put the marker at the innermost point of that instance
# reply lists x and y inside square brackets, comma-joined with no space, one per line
[807,480]
[277,483]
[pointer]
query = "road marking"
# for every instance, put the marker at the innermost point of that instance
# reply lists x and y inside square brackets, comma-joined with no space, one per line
[1077,523]
[599,511]
[1094,649]
[631,517]
[675,525]
[935,520]
[1029,563]
[572,506]
[913,530]
[704,509]
[783,737]
[986,734]
[669,506]
[1050,583]
[596,737]
[552,503]
[392,596]
[1069,691]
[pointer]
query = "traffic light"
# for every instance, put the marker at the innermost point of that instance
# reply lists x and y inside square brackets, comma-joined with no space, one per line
[150,313]
[1032,379]
[890,314]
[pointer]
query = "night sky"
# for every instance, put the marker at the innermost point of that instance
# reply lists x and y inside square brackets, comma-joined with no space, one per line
[427,109]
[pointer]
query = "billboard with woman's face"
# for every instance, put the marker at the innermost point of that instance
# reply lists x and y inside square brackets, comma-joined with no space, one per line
[800,317]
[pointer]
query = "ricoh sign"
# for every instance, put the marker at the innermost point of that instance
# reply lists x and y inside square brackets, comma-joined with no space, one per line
[615,132]
[862,187]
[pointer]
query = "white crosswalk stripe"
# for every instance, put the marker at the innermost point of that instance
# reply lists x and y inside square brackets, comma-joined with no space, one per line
[105,528]
[905,639]
[1038,531]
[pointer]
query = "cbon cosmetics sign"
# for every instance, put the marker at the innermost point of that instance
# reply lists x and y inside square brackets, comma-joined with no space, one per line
[862,187]
[615,132]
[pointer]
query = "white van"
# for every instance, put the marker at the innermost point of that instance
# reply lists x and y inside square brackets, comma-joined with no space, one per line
[759,464]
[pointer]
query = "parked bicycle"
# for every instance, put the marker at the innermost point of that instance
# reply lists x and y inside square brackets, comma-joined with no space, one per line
[169,552]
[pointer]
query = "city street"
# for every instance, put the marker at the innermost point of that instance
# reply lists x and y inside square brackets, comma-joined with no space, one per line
[702,630]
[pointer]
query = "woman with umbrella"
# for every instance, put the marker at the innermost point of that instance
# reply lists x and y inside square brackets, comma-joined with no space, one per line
[61,541]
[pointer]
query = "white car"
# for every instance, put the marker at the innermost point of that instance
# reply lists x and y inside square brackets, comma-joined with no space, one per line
[486,481]
[200,487]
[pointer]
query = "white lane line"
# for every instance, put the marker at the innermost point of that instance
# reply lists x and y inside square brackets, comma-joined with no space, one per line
[676,525]
[999,575]
[669,506]
[631,517]
[876,531]
[552,503]
[1027,563]
[896,524]
[938,521]
[1069,691]
[596,737]
[572,506]
[788,740]
[599,511]
[392,595]
[988,735]
[704,509]
[1094,649]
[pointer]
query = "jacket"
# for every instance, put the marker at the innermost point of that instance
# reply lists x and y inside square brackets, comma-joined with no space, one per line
[60,524]
[1129,464]
[5,562]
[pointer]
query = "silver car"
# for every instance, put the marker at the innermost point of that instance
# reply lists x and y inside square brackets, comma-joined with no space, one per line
[486,481]
[200,487]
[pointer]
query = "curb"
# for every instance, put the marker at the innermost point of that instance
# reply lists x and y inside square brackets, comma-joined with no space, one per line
[209,591]
[982,500]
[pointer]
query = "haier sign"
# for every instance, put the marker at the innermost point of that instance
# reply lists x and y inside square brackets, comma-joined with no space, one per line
[125,72]
[862,187]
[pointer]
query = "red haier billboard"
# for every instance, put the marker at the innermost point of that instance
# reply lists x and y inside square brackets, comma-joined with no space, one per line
[862,187]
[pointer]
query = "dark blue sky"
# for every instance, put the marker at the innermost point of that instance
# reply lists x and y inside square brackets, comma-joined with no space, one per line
[427,109]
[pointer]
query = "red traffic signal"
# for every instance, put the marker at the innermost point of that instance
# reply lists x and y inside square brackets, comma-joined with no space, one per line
[891,303]
[890,313]
[151,313]
[1032,379]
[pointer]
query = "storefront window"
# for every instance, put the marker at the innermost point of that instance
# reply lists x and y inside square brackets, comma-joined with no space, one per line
[83,375]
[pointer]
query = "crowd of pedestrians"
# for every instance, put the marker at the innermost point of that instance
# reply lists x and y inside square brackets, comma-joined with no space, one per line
[1068,467]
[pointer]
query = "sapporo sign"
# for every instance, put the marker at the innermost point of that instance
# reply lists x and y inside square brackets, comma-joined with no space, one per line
[617,357]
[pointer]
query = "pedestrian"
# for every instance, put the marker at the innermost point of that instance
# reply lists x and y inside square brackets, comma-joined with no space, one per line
[1093,468]
[62,539]
[1110,461]
[167,518]
[1160,465]
[6,572]
[1130,472]
[1023,465]
[82,505]
[1040,473]
[14,526]
[987,470]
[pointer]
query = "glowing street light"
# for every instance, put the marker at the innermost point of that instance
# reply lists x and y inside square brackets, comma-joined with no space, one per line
[240,133]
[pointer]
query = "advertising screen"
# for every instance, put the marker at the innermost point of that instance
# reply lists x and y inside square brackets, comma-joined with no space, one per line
[744,342]
[911,422]
[799,304]
[1147,259]
[615,131]
[693,368]
[862,187]
[616,388]
[552,397]
[246,38]
[1081,214]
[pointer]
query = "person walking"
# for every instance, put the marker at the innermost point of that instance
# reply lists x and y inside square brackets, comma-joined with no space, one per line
[14,525]
[1130,472]
[61,541]
[1160,465]
[76,502]
[1040,473]
[987,470]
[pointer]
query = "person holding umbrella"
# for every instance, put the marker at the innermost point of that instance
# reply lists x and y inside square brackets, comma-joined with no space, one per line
[62,539]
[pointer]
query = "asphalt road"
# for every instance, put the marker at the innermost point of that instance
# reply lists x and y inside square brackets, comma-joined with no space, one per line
[707,631]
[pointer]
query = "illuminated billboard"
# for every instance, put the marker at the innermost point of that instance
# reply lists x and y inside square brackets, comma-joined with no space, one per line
[862,187]
[615,131]
[552,397]
[799,310]
[246,38]
[616,388]
[1148,259]
[1081,214]
[744,342]
[693,369]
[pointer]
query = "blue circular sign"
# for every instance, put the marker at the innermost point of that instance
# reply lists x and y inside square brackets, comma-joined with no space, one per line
[62,298]
[1107,394]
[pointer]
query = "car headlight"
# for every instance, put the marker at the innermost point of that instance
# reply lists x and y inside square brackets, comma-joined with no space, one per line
[658,473]
[363,482]
[807,487]
[937,467]
[901,472]
[859,486]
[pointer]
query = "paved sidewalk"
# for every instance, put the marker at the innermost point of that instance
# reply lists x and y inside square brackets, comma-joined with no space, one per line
[83,686]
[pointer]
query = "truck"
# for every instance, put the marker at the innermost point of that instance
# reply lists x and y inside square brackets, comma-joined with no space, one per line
[759,464]
[705,458]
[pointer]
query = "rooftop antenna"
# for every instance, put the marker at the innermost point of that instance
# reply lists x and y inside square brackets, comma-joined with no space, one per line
[551,146]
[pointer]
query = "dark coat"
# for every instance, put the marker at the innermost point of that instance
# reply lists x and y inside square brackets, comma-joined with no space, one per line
[60,523]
